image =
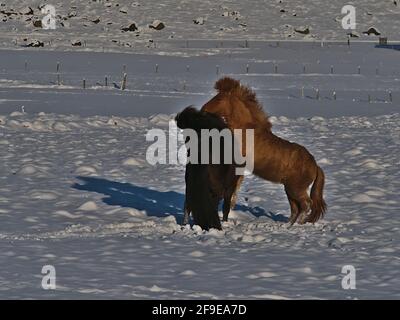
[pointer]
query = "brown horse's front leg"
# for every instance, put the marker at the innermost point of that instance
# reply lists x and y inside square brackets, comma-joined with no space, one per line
[294,209]
[230,195]
[236,190]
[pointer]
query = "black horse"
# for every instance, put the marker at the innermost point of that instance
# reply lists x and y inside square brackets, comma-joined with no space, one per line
[206,184]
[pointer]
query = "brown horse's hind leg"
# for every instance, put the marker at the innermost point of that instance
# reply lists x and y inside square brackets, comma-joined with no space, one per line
[300,205]
[305,207]
[294,209]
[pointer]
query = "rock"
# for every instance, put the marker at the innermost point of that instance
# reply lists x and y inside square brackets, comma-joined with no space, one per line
[35,44]
[9,13]
[37,23]
[231,14]
[199,20]
[123,10]
[76,43]
[72,14]
[131,27]
[157,25]
[65,24]
[302,30]
[26,11]
[353,34]
[372,30]
[95,20]
[289,34]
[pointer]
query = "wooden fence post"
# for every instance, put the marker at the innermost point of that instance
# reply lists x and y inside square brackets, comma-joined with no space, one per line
[123,86]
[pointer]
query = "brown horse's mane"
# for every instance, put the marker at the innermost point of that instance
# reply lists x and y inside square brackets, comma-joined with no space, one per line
[231,86]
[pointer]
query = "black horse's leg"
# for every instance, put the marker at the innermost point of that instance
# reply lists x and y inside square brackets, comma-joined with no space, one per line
[186,214]
[226,208]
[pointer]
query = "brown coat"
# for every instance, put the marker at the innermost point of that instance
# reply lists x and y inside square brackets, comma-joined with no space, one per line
[275,159]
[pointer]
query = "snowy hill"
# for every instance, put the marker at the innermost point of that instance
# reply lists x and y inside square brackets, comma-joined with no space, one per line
[101,24]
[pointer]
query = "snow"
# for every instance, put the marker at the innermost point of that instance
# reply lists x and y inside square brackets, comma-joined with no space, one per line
[113,230]
[97,24]
[88,206]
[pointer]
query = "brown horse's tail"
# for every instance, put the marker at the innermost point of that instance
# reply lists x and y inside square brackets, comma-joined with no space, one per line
[318,206]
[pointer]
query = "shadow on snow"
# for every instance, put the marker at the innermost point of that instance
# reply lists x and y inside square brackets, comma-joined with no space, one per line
[155,203]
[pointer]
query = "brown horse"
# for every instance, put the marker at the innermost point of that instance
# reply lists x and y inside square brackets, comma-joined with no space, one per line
[275,159]
[206,184]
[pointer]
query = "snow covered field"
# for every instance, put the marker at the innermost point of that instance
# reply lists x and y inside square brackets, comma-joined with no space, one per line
[77,193]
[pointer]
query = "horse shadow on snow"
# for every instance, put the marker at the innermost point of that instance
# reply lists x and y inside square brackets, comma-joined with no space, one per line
[155,203]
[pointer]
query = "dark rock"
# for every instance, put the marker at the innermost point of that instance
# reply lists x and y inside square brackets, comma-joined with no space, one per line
[157,25]
[35,44]
[302,30]
[353,34]
[199,20]
[8,13]
[37,23]
[131,27]
[76,43]
[372,30]
[26,11]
